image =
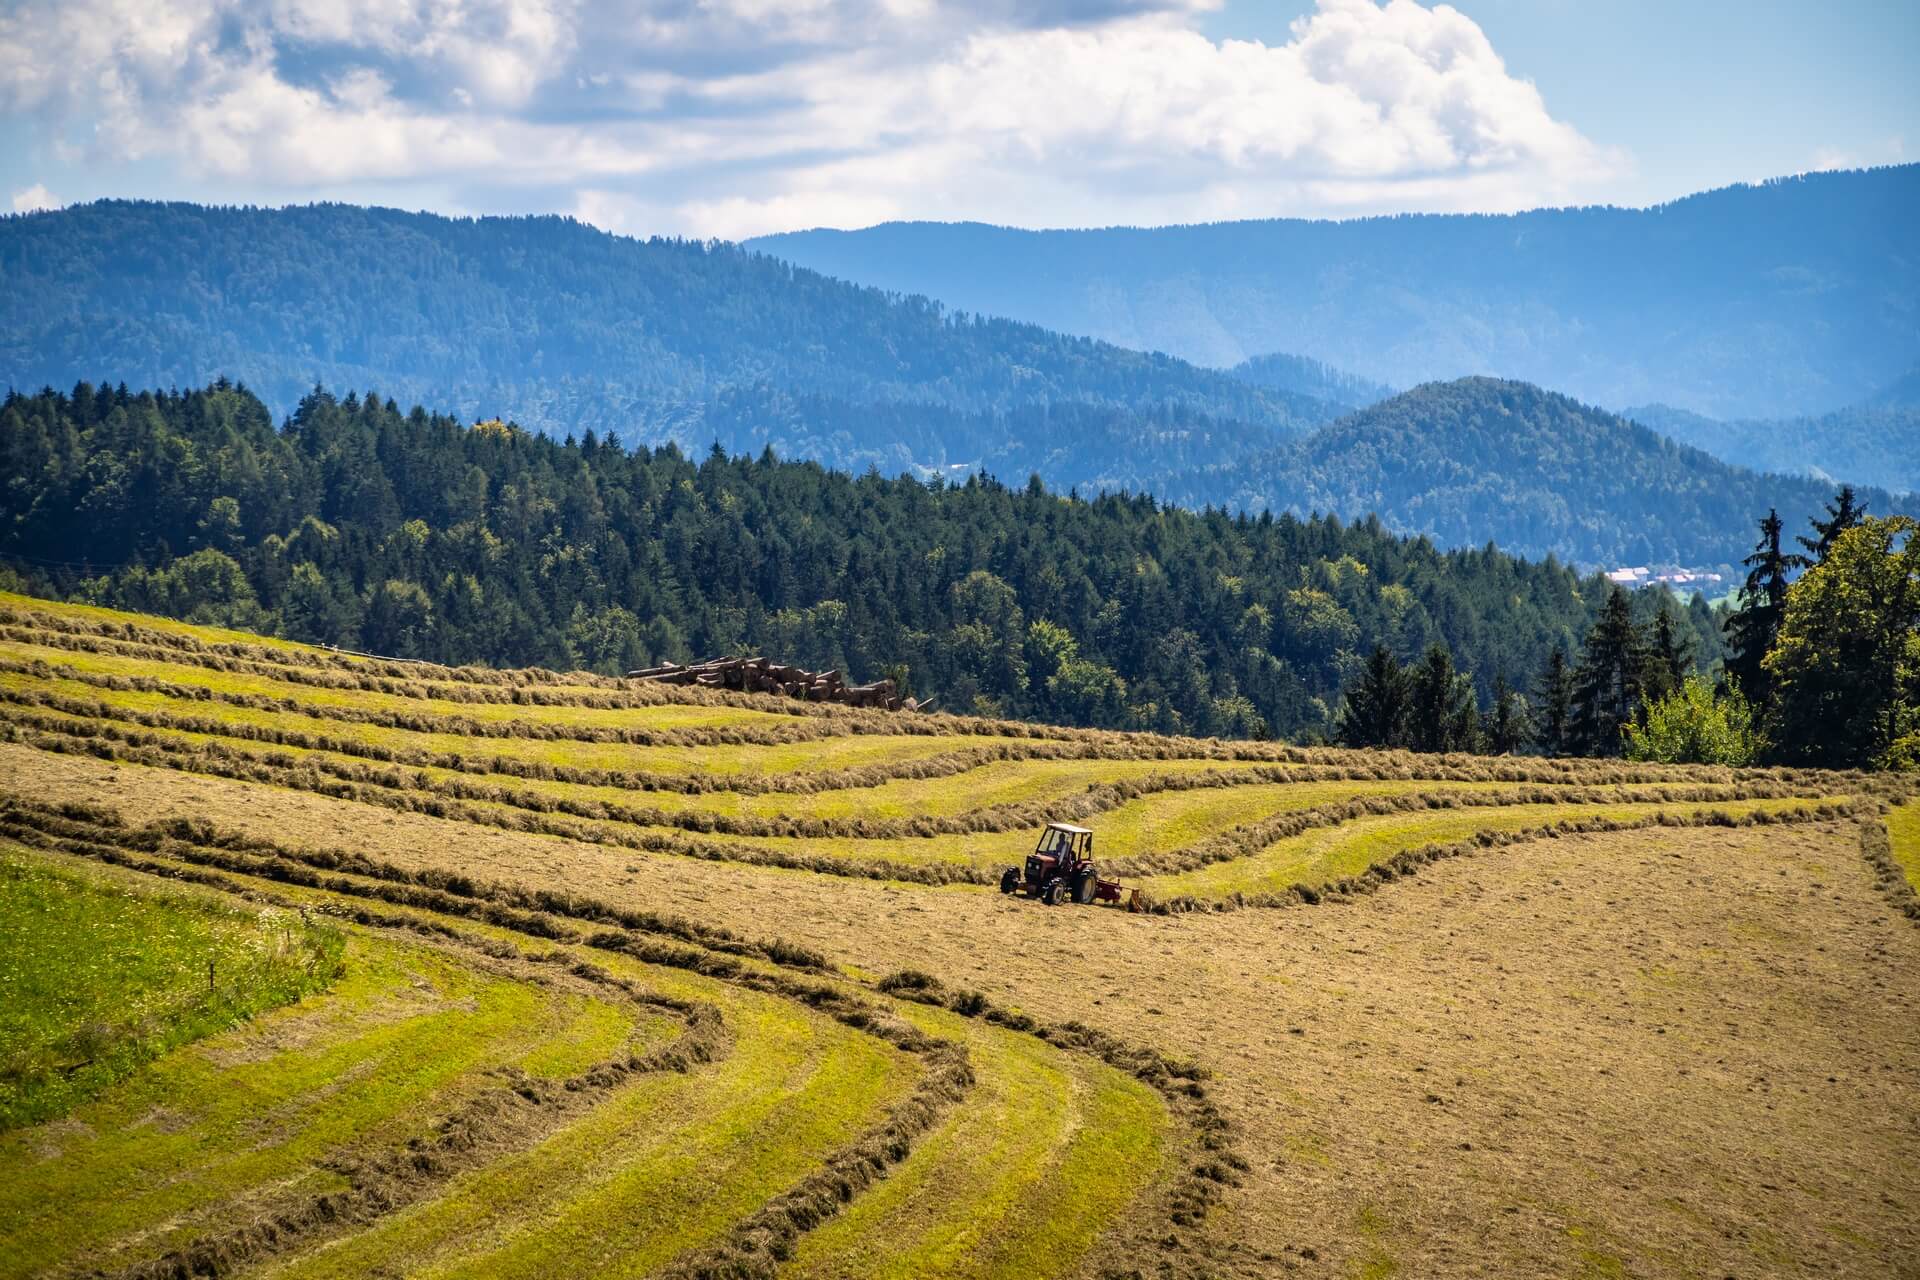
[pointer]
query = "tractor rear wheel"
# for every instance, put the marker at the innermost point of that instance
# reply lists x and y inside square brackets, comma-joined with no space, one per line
[1010,880]
[1052,894]
[1083,886]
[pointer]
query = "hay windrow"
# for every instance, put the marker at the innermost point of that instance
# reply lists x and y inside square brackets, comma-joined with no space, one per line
[411,680]
[1877,848]
[508,1118]
[537,913]
[604,823]
[1096,798]
[505,1119]
[1408,862]
[1184,1202]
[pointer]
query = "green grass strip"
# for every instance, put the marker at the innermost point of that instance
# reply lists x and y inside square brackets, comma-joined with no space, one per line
[665,716]
[1156,823]
[665,1165]
[1325,854]
[201,1134]
[1040,1128]
[153,622]
[733,760]
[1903,835]
[98,977]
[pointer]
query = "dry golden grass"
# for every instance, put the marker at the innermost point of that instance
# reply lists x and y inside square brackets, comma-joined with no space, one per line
[1631,1033]
[1682,1050]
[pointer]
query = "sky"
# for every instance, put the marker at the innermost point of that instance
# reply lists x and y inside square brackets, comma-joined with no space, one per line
[732,118]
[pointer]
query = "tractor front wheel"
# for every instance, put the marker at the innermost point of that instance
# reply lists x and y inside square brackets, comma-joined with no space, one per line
[1010,880]
[1052,894]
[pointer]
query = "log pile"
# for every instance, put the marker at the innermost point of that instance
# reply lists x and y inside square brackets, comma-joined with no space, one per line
[762,675]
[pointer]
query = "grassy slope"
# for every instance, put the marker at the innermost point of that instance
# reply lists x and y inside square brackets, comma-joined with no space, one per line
[176,1147]
[666,1165]
[1903,833]
[1077,1136]
[668,1162]
[98,976]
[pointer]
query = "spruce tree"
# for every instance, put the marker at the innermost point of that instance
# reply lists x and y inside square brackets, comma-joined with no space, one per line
[1843,513]
[1669,659]
[1607,683]
[1442,715]
[1763,601]
[1509,725]
[1555,691]
[1374,712]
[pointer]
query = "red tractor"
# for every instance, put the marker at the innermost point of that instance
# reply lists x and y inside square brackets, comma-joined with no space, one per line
[1061,869]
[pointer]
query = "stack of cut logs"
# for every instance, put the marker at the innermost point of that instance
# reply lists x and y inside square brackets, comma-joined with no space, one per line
[762,675]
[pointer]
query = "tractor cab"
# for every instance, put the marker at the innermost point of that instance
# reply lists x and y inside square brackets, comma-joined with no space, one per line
[1063,847]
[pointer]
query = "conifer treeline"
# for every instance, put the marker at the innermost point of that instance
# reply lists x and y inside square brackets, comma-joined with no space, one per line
[1822,669]
[411,534]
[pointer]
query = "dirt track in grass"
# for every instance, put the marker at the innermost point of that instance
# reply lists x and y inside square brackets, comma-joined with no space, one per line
[1662,1052]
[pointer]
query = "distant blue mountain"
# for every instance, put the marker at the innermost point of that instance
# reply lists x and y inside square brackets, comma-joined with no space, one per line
[566,329]
[1300,376]
[1787,298]
[1876,442]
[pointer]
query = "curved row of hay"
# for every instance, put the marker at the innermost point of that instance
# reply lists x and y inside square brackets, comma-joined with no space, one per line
[708,1102]
[834,790]
[1892,848]
[637,713]
[1208,811]
[1242,792]
[492,1089]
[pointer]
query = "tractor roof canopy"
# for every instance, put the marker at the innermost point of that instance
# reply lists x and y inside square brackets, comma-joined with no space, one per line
[1069,828]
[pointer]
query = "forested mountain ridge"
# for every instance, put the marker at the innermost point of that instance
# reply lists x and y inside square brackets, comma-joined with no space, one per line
[564,328]
[1538,473]
[1877,440]
[411,534]
[1790,297]
[561,327]
[1279,371]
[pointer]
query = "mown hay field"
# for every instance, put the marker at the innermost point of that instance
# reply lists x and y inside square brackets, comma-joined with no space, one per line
[536,974]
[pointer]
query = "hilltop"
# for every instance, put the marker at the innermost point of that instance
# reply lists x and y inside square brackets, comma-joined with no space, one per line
[1528,470]
[1790,297]
[640,980]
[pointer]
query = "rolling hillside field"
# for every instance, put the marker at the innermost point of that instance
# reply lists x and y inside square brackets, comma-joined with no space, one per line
[320,965]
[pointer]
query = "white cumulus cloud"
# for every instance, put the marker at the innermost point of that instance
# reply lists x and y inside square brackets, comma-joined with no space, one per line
[733,117]
[34,198]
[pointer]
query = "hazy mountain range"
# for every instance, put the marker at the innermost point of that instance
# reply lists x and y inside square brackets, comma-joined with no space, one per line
[546,320]
[1789,298]
[1877,439]
[568,329]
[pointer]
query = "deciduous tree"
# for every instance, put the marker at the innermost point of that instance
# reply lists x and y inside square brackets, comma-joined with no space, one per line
[1691,725]
[1846,668]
